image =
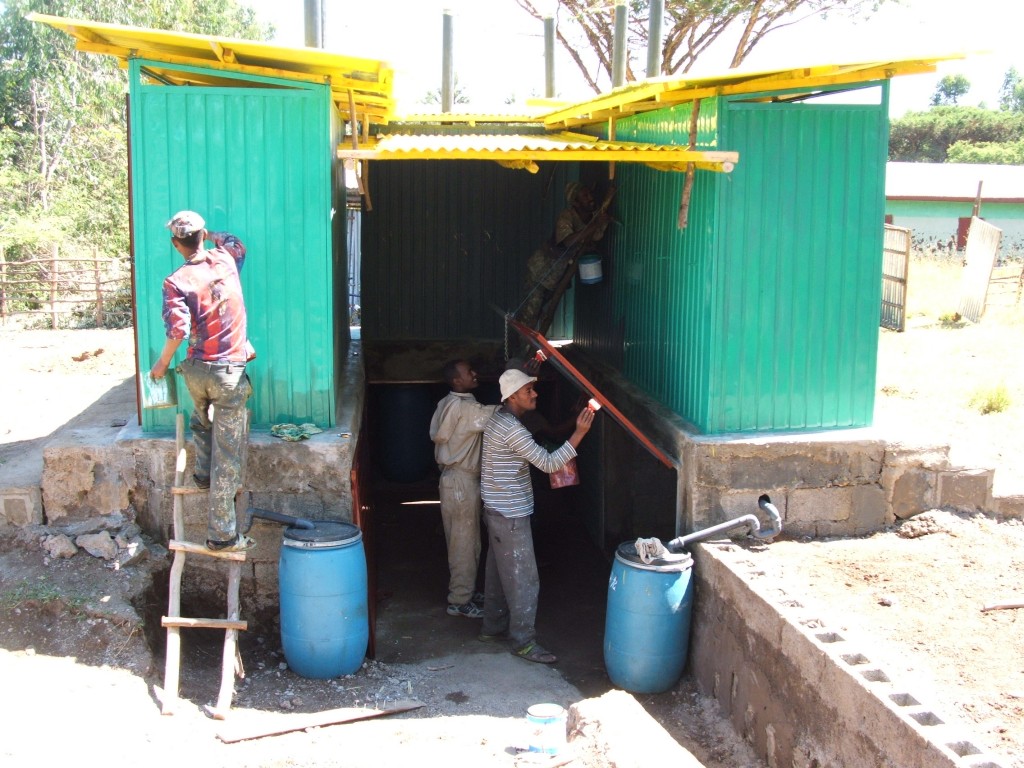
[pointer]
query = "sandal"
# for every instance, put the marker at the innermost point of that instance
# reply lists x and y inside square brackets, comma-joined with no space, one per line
[533,652]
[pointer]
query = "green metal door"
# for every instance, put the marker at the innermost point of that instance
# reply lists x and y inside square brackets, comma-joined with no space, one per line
[255,160]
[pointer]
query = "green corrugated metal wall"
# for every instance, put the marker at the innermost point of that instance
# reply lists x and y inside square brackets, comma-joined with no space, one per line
[761,316]
[447,242]
[256,161]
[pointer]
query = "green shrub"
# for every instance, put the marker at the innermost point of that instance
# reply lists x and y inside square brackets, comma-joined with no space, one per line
[991,399]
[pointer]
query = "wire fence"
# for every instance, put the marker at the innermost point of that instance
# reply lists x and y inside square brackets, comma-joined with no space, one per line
[66,291]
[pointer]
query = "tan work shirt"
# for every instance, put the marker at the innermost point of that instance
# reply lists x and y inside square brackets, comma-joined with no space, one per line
[457,428]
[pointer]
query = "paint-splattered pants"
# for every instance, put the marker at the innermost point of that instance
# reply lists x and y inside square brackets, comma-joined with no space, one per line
[459,493]
[511,582]
[219,428]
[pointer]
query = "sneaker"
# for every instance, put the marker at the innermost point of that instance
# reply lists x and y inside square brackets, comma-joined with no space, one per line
[239,544]
[201,482]
[469,610]
[477,599]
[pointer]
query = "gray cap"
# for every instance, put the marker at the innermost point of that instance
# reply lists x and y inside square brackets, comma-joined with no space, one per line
[185,223]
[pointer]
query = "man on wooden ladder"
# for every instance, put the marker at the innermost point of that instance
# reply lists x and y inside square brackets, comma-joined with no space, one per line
[202,300]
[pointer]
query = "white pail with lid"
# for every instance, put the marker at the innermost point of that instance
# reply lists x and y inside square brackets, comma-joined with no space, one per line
[590,270]
[547,728]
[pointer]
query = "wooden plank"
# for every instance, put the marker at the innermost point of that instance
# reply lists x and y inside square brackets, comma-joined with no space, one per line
[187,490]
[197,623]
[199,549]
[265,724]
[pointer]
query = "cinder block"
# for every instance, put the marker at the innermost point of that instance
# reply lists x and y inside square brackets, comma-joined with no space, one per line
[868,512]
[913,492]
[966,489]
[814,505]
[21,507]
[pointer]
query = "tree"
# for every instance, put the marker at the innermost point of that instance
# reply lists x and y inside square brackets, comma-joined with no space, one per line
[458,95]
[949,90]
[62,115]
[586,28]
[988,153]
[1011,94]
[926,137]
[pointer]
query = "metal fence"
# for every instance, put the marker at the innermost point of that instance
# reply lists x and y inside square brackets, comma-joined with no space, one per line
[896,263]
[67,290]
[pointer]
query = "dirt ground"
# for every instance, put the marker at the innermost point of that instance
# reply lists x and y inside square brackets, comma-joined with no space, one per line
[914,593]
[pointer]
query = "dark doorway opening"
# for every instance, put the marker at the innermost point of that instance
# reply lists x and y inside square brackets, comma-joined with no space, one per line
[410,558]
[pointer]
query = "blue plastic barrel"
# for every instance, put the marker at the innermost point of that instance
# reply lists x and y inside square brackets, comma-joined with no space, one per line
[647,624]
[324,622]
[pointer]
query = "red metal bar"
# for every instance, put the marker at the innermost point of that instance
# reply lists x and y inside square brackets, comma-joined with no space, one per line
[558,359]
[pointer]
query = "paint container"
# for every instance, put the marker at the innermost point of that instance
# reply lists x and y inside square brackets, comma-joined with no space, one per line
[590,270]
[547,728]
[159,393]
[593,405]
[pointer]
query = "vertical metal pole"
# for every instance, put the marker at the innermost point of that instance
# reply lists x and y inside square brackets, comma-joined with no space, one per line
[447,73]
[98,317]
[654,38]
[549,57]
[619,45]
[314,23]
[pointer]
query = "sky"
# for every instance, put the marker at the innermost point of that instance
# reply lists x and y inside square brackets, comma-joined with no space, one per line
[498,48]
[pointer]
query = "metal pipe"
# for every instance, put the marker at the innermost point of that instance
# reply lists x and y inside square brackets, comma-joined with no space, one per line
[314,23]
[619,45]
[549,57]
[753,526]
[447,71]
[654,38]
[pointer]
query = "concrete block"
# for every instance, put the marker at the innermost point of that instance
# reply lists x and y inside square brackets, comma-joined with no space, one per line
[968,489]
[819,511]
[913,491]
[80,482]
[21,507]
[868,509]
[1009,506]
[788,462]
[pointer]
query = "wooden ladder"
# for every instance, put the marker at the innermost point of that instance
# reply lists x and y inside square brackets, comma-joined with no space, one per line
[231,662]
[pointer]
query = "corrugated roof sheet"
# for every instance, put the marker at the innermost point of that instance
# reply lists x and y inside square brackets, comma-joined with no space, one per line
[562,146]
[954,181]
[368,80]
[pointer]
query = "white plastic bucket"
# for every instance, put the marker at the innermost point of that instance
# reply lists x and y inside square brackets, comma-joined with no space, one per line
[590,270]
[547,728]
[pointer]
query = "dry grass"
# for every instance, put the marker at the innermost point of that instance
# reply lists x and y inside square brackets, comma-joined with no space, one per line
[938,380]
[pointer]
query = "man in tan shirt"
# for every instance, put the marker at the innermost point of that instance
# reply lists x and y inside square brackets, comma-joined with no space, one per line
[456,429]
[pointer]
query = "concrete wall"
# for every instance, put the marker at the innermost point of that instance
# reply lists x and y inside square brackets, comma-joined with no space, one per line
[134,473]
[798,691]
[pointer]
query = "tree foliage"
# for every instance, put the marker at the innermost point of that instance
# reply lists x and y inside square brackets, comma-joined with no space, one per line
[949,90]
[63,145]
[1011,94]
[585,28]
[926,137]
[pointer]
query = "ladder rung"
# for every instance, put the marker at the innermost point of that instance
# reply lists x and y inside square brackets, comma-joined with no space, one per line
[201,549]
[187,490]
[180,621]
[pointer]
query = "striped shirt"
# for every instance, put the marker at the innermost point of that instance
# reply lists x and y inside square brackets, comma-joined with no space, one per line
[508,451]
[203,302]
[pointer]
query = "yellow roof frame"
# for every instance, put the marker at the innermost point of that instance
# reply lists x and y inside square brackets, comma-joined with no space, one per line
[362,93]
[366,84]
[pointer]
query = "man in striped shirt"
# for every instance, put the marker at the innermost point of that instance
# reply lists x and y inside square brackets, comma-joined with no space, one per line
[511,582]
[203,302]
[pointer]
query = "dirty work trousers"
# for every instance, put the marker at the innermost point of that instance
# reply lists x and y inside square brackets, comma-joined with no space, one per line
[219,427]
[459,492]
[511,582]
